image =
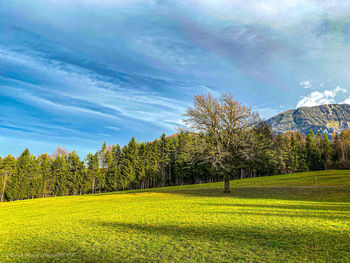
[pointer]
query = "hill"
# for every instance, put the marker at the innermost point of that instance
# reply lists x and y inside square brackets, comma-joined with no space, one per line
[325,118]
[268,219]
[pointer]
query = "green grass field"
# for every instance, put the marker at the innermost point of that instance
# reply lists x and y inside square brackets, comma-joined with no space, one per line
[267,219]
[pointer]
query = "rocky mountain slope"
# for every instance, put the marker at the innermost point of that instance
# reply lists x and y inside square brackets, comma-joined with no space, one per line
[325,118]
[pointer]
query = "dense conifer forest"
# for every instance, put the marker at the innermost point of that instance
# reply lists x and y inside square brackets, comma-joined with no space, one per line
[183,158]
[164,162]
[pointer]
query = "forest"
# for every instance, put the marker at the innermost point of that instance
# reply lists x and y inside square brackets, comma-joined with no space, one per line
[239,146]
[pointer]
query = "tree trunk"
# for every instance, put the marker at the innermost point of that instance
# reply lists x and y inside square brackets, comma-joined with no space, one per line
[227,184]
[93,185]
[169,176]
[342,149]
[44,189]
[3,188]
[163,176]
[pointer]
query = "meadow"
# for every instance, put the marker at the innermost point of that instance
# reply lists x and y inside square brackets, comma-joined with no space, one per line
[282,218]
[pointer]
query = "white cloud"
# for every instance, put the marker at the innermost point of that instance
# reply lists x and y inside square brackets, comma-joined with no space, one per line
[276,13]
[347,101]
[319,98]
[339,89]
[306,84]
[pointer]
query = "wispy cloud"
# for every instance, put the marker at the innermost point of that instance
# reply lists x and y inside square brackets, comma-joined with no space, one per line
[306,84]
[85,67]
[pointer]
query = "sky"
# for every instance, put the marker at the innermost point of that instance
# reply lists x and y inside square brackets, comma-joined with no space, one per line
[76,73]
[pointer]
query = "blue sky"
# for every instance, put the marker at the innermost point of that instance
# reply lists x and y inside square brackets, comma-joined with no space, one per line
[80,72]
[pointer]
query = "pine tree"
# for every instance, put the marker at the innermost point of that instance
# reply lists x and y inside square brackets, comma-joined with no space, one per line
[77,173]
[142,165]
[164,159]
[61,174]
[345,144]
[281,154]
[105,156]
[336,148]
[263,159]
[46,175]
[326,151]
[93,170]
[293,162]
[319,141]
[35,182]
[7,170]
[17,188]
[301,153]
[313,152]
[127,169]
[113,175]
[132,155]
[152,164]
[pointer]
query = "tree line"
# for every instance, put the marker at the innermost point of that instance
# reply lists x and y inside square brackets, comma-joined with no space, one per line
[225,140]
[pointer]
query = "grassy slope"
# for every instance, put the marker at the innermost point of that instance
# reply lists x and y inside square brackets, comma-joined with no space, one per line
[269,219]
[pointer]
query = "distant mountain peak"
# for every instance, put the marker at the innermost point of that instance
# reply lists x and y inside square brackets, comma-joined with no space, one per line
[326,118]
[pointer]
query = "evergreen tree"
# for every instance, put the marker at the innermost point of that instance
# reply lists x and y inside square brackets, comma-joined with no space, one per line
[127,169]
[293,160]
[7,170]
[18,184]
[142,165]
[302,153]
[345,144]
[263,159]
[46,175]
[61,175]
[336,148]
[326,151]
[113,175]
[281,156]
[227,142]
[313,152]
[164,159]
[152,164]
[93,170]
[105,159]
[77,173]
[35,182]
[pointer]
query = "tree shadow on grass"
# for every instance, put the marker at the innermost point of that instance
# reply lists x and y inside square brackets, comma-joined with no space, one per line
[329,207]
[52,250]
[311,216]
[139,242]
[336,194]
[281,242]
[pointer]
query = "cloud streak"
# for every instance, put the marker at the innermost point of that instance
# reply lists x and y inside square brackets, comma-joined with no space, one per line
[108,70]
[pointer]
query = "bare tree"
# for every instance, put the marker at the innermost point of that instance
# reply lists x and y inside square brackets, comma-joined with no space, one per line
[224,125]
[60,151]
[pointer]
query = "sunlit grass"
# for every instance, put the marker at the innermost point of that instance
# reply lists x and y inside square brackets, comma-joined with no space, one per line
[268,219]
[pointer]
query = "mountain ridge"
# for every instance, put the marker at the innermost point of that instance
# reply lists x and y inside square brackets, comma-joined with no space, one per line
[327,118]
